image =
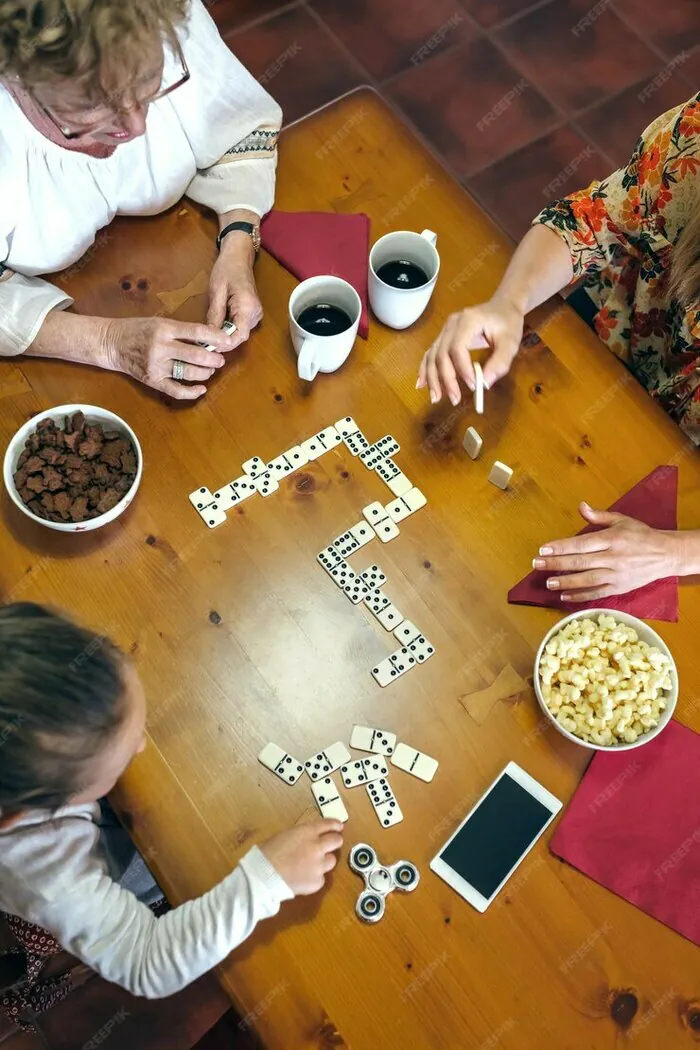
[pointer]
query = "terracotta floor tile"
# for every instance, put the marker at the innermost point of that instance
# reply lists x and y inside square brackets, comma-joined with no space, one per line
[387,37]
[672,25]
[616,125]
[491,12]
[576,65]
[517,188]
[455,100]
[688,69]
[175,1023]
[232,14]
[297,60]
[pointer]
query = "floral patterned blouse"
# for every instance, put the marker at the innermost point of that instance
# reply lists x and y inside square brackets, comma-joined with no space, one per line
[621,234]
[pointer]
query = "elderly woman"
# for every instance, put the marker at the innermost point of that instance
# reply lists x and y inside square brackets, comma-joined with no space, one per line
[118,107]
[635,239]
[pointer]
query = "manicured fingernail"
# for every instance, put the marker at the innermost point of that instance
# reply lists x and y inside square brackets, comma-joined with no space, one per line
[417,384]
[546,550]
[539,563]
[470,384]
[433,397]
[553,584]
[567,597]
[585,505]
[455,399]
[487,384]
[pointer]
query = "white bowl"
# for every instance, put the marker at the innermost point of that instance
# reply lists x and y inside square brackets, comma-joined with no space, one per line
[647,635]
[92,415]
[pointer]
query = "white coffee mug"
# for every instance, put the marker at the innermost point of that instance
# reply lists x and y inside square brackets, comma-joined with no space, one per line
[323,353]
[400,307]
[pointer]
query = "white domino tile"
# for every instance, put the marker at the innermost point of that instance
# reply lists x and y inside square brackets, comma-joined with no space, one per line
[346,426]
[414,762]
[201,498]
[285,766]
[387,530]
[328,800]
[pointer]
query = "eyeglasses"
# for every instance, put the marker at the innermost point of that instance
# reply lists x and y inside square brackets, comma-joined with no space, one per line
[72,134]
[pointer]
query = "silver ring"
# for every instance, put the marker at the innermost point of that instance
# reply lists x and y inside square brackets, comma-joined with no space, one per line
[178,370]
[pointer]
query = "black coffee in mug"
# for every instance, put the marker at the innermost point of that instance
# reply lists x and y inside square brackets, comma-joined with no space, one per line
[324,319]
[400,273]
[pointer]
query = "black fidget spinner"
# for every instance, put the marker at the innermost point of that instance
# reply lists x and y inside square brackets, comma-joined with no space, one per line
[380,880]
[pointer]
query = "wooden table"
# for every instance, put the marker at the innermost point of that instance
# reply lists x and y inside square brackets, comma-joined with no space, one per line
[241,638]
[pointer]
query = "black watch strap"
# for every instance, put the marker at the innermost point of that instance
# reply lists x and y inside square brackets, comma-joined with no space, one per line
[245,227]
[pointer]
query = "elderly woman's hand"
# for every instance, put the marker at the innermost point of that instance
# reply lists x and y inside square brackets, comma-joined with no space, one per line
[233,295]
[147,348]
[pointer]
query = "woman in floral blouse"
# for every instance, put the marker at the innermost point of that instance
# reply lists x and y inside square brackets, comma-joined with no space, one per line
[635,240]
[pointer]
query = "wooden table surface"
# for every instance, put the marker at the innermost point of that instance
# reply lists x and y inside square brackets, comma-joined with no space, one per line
[241,638]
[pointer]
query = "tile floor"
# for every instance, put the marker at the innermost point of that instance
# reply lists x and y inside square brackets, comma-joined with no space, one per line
[577,81]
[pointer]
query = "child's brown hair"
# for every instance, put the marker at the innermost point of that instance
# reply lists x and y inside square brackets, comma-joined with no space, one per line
[61,700]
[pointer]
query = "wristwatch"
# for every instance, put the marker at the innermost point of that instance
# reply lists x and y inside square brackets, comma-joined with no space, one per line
[245,227]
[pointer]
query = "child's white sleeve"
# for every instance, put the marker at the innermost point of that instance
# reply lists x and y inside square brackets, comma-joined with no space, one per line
[110,930]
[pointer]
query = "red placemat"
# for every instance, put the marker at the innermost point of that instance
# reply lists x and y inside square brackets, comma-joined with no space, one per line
[312,243]
[654,501]
[634,827]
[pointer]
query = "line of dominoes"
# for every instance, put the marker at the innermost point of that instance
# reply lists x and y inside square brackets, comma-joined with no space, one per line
[379,520]
[372,773]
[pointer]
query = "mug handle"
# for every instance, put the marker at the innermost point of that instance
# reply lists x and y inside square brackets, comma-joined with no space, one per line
[430,236]
[306,363]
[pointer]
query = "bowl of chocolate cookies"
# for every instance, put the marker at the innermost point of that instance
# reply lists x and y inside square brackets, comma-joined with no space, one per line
[73,468]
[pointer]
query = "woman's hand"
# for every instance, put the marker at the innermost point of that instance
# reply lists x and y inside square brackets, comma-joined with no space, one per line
[233,295]
[146,348]
[624,555]
[304,855]
[498,324]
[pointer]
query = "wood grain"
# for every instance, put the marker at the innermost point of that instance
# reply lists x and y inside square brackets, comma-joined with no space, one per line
[241,638]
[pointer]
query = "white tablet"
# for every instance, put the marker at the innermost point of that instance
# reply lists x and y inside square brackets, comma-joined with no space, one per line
[494,837]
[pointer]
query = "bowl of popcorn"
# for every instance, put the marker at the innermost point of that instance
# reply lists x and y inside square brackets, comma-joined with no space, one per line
[606,680]
[73,468]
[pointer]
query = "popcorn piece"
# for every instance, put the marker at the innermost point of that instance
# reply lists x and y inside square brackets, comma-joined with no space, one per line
[602,683]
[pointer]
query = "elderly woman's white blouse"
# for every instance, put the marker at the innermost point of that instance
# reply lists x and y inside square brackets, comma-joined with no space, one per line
[214,139]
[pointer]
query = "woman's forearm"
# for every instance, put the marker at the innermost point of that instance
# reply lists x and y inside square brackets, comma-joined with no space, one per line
[540,267]
[71,337]
[685,546]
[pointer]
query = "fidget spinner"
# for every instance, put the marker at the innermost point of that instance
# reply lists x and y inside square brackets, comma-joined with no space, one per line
[380,880]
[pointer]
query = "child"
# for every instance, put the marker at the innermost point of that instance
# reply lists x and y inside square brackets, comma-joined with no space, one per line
[72,716]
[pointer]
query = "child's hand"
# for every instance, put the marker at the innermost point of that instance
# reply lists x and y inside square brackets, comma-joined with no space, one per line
[303,856]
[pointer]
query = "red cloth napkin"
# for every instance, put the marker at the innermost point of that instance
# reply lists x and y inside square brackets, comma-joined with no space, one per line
[653,500]
[633,827]
[311,243]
